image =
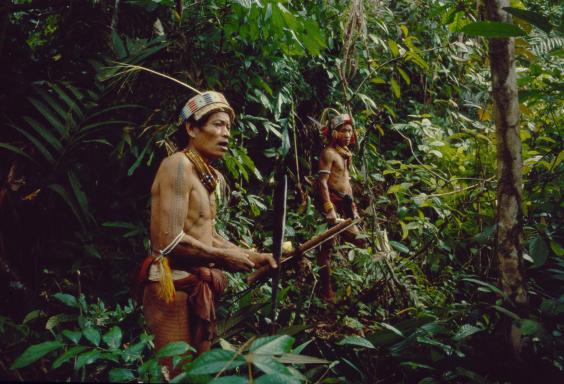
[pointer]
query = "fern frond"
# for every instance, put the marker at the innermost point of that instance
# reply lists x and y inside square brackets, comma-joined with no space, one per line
[543,44]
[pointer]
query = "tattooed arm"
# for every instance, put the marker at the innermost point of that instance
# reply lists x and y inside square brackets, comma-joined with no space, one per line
[169,203]
[258,258]
[326,163]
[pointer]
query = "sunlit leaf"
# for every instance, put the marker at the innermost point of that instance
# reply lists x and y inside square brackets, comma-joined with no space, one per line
[492,29]
[34,353]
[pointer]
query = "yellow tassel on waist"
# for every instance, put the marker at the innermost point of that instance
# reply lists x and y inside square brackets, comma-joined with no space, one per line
[166,289]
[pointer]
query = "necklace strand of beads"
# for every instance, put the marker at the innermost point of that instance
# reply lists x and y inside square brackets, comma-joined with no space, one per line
[343,151]
[205,172]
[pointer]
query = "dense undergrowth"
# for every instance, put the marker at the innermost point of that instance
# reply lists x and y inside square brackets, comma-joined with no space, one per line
[420,304]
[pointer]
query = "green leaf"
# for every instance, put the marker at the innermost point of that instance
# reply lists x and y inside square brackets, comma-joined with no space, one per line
[59,190]
[174,348]
[395,88]
[392,328]
[538,249]
[44,132]
[484,284]
[73,336]
[356,341]
[292,358]
[404,75]
[393,47]
[33,315]
[87,358]
[400,247]
[530,327]
[538,20]
[214,361]
[66,299]
[277,378]
[266,364]
[230,380]
[465,331]
[556,248]
[272,345]
[113,337]
[49,116]
[40,147]
[34,353]
[92,335]
[506,312]
[120,375]
[68,355]
[492,29]
[16,150]
[79,194]
[138,160]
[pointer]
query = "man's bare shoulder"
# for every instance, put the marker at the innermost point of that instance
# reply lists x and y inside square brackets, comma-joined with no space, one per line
[174,166]
[329,153]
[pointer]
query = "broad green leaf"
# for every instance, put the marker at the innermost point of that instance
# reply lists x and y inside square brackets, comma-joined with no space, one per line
[49,116]
[276,378]
[138,160]
[16,150]
[66,299]
[393,47]
[68,355]
[272,345]
[404,75]
[400,247]
[54,104]
[79,194]
[87,358]
[44,132]
[465,331]
[59,89]
[230,380]
[59,190]
[175,348]
[73,336]
[506,312]
[214,361]
[489,286]
[33,315]
[113,337]
[356,341]
[538,20]
[292,358]
[120,375]
[34,353]
[393,329]
[267,364]
[530,327]
[538,249]
[492,29]
[556,248]
[40,147]
[395,88]
[92,335]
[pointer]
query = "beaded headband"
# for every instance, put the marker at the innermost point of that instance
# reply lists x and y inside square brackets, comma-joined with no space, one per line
[339,120]
[202,104]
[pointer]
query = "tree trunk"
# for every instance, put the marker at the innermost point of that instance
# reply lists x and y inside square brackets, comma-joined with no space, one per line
[509,167]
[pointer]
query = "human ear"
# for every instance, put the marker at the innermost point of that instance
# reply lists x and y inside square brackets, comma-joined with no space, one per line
[190,129]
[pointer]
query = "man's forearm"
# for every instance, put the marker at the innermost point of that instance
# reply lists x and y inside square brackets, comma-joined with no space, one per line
[192,252]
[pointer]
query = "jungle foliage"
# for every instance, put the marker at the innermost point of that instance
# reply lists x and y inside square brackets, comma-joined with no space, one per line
[83,136]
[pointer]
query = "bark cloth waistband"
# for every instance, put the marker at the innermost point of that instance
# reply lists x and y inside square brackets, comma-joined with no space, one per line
[202,285]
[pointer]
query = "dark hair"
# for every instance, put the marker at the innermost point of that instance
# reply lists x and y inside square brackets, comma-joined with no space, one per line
[181,135]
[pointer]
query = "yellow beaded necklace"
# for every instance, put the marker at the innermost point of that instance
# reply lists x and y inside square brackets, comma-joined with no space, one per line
[343,151]
[206,173]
